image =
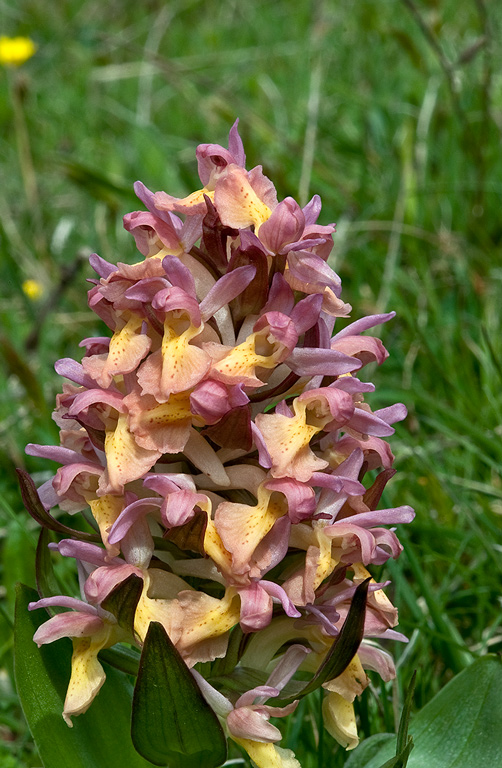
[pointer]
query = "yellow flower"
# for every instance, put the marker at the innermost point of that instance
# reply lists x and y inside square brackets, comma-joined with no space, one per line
[14,51]
[31,288]
[267,755]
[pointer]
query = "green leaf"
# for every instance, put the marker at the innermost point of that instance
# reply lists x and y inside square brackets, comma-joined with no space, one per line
[459,728]
[228,663]
[404,742]
[172,723]
[239,680]
[345,646]
[18,560]
[370,749]
[99,737]
[401,759]
[47,584]
[122,601]
[122,657]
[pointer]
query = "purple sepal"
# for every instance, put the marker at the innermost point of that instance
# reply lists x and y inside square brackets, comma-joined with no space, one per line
[369,424]
[287,666]
[306,313]
[226,289]
[97,396]
[319,615]
[393,413]
[64,602]
[310,361]
[263,454]
[312,210]
[363,325]
[148,199]
[391,516]
[179,275]
[129,516]
[277,592]
[84,551]
[73,371]
[280,296]
[102,267]
[309,268]
[53,452]
[263,691]
[74,624]
[235,145]
[352,385]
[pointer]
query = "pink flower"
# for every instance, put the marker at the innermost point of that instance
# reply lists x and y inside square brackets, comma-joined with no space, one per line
[220,439]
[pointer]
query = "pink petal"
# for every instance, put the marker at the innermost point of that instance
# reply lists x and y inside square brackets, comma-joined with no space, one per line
[256,608]
[310,361]
[226,289]
[367,349]
[245,723]
[104,579]
[64,602]
[67,625]
[179,506]
[129,516]
[363,325]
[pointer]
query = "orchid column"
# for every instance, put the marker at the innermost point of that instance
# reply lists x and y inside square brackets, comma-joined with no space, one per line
[220,438]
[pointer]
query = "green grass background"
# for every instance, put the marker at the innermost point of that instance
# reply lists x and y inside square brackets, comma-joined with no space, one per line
[391,110]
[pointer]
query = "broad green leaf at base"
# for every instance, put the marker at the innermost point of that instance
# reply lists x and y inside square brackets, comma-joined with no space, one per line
[460,728]
[172,723]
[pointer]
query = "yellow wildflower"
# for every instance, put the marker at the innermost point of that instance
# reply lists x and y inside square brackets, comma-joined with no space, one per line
[32,289]
[14,51]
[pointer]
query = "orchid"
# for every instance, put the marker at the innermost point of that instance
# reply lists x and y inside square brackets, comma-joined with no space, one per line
[220,439]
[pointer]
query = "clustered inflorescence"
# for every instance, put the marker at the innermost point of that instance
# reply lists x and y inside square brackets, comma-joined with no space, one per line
[220,438]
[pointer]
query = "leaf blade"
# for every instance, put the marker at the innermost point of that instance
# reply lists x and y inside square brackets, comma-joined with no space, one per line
[344,647]
[172,723]
[460,726]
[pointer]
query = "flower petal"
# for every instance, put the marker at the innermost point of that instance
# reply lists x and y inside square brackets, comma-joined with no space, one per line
[87,675]
[236,201]
[247,723]
[105,511]
[287,441]
[339,720]
[71,624]
[126,460]
[268,755]
[242,526]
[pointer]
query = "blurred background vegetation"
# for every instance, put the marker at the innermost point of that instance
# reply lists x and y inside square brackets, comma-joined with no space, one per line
[391,110]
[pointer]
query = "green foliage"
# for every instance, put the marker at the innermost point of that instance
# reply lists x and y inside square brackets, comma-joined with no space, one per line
[122,601]
[460,726]
[345,646]
[171,723]
[397,129]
